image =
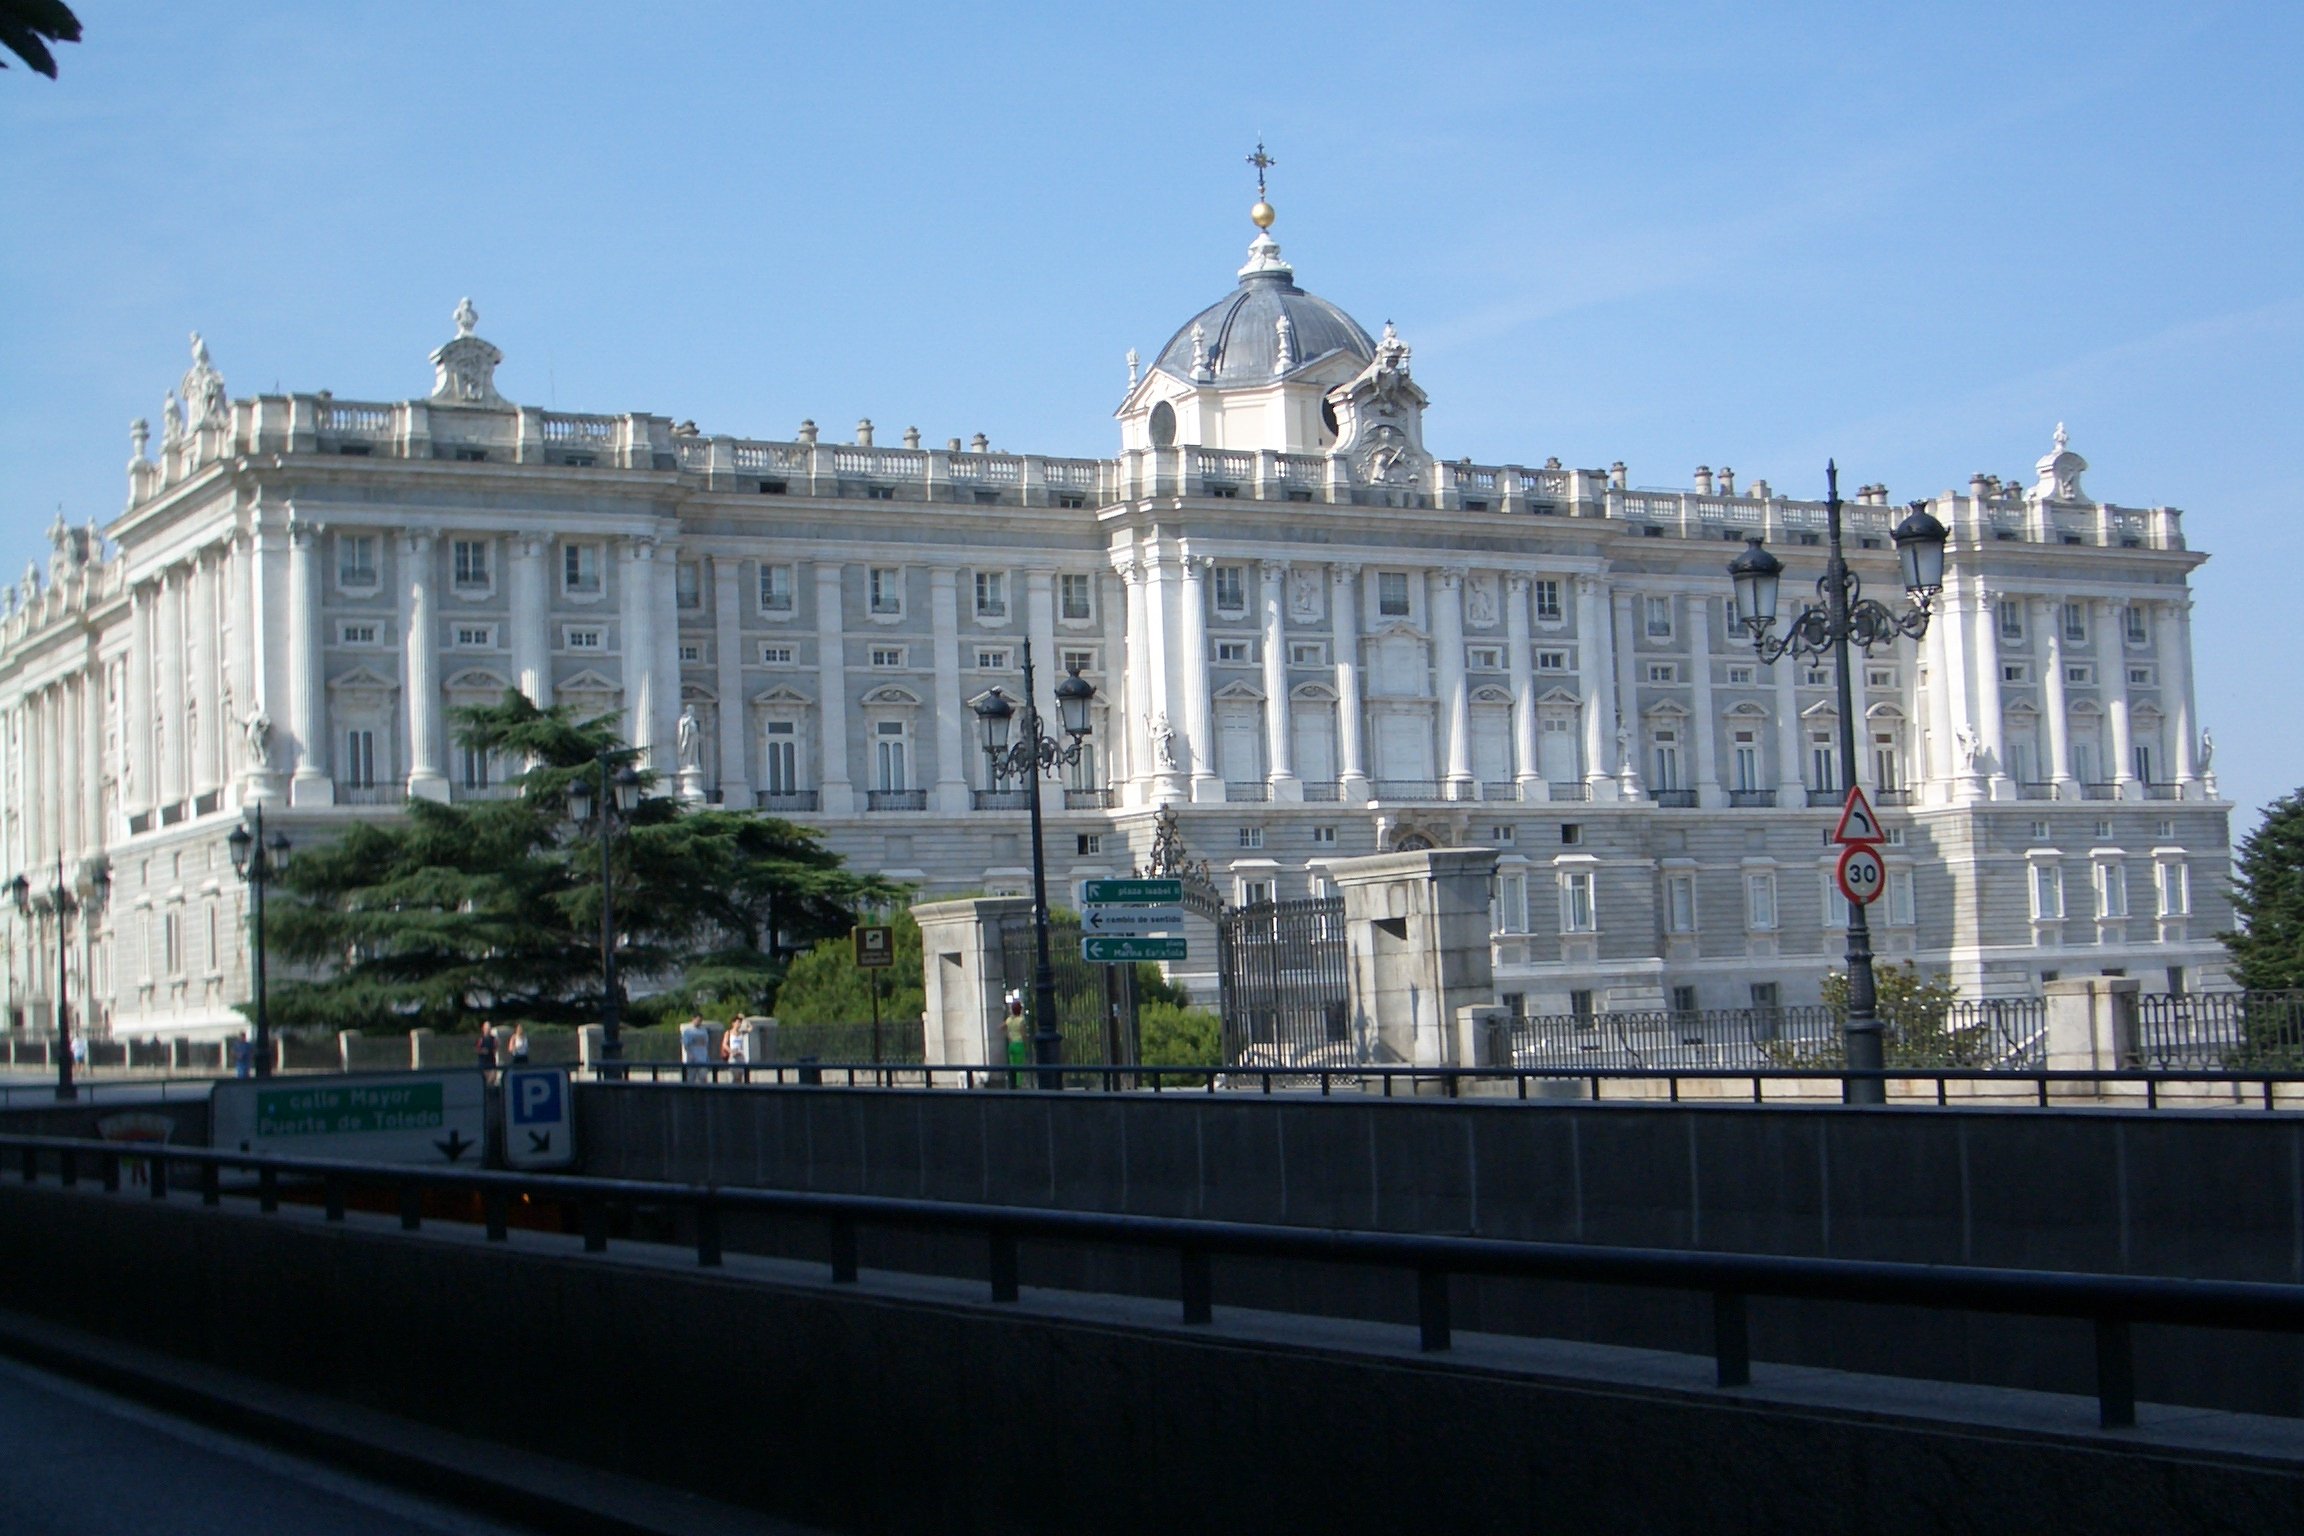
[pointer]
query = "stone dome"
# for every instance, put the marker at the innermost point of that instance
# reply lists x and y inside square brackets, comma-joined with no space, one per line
[1240,336]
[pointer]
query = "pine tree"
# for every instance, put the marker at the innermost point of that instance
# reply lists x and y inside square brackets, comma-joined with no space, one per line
[2267,946]
[457,910]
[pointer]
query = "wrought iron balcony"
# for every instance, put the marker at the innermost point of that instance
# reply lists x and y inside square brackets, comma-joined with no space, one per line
[1254,790]
[1088,799]
[991,800]
[1572,789]
[1750,799]
[895,800]
[371,794]
[1324,790]
[1676,799]
[782,800]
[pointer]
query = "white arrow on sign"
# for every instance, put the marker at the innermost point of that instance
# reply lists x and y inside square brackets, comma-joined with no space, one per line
[1130,919]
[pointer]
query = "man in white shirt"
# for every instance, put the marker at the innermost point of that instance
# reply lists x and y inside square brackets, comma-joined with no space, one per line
[695,1050]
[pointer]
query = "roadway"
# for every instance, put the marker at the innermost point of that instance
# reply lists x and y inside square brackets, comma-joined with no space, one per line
[81,1462]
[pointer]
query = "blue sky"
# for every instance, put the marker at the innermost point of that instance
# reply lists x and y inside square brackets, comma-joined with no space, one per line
[1913,238]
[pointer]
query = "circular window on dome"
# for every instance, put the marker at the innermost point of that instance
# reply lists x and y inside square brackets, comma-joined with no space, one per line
[1163,425]
[1328,419]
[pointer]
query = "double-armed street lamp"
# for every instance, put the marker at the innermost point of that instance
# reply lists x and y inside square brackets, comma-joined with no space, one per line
[1843,615]
[612,799]
[1017,743]
[257,859]
[63,901]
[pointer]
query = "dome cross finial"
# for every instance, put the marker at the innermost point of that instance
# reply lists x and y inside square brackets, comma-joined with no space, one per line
[1262,214]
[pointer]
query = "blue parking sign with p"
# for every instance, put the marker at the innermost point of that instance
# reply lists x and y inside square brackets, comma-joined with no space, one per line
[539,1118]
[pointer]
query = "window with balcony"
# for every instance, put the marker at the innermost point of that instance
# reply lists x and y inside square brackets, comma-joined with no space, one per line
[1547,593]
[1075,597]
[884,591]
[468,562]
[1392,594]
[991,594]
[688,584]
[356,568]
[580,569]
[776,589]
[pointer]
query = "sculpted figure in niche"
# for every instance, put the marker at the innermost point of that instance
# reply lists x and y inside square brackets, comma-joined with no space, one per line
[256,737]
[1163,743]
[1480,600]
[690,739]
[1304,592]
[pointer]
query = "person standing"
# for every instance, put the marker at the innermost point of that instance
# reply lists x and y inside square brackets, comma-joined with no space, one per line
[695,1050]
[518,1045]
[1013,1027]
[484,1051]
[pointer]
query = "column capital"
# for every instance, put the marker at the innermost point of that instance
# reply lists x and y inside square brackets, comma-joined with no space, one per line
[302,530]
[1273,571]
[640,547]
[533,545]
[1128,569]
[1590,584]
[947,576]
[1344,572]
[1452,576]
[416,540]
[1518,582]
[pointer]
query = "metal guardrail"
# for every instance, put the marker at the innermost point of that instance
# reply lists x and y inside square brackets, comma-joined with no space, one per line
[2110,1304]
[31,1093]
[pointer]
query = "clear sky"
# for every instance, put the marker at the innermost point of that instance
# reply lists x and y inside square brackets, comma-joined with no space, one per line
[1911,237]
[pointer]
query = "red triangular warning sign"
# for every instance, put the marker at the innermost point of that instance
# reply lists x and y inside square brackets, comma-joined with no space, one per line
[1857,823]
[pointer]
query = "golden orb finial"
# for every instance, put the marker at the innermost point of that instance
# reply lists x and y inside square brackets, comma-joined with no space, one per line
[1262,215]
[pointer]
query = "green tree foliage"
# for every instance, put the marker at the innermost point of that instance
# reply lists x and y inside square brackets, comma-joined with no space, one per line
[824,985]
[456,910]
[1915,1023]
[1174,1035]
[27,27]
[2267,945]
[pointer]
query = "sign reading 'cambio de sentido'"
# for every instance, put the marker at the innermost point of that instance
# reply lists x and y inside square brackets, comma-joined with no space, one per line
[403,1117]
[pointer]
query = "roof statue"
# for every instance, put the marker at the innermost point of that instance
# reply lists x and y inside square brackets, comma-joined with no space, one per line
[2060,470]
[464,367]
[205,403]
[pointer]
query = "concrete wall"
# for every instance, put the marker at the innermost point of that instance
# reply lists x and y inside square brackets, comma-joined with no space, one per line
[2199,1193]
[860,1409]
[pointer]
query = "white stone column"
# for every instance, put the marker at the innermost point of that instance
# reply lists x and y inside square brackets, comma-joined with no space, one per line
[216,733]
[1446,594]
[636,598]
[952,745]
[137,709]
[420,626]
[1344,638]
[528,586]
[93,833]
[2172,639]
[1596,679]
[2049,616]
[728,682]
[662,658]
[307,671]
[1625,748]
[837,793]
[1278,744]
[1040,624]
[1960,688]
[1118,739]
[1163,692]
[1520,665]
[2112,687]
[1991,726]
[174,762]
[1938,763]
[1791,788]
[1135,660]
[1196,735]
[1704,727]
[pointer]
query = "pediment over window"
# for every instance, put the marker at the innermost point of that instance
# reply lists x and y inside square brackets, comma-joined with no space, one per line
[1746,711]
[1885,711]
[1313,693]
[782,696]
[1822,709]
[1239,689]
[1561,697]
[363,677]
[589,681]
[1492,696]
[478,680]
[890,696]
[1666,709]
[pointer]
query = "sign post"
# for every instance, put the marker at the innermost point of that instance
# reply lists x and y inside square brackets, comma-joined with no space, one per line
[1117,917]
[1860,873]
[875,952]
[385,1117]
[539,1118]
[1117,951]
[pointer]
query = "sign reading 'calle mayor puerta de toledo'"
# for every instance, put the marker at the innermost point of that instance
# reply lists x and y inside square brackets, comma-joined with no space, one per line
[399,1117]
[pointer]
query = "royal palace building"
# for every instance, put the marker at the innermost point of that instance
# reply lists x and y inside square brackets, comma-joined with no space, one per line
[1311,634]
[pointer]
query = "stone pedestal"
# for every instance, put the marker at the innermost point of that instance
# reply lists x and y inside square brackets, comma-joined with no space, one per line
[691,781]
[961,978]
[2092,1024]
[1416,932]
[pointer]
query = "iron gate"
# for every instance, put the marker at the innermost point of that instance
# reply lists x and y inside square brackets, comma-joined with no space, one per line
[1282,969]
[1095,1004]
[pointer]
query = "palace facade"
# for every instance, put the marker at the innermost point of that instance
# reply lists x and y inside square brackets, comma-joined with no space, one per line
[1309,632]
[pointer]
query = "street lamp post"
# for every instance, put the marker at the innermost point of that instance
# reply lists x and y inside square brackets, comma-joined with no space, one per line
[616,795]
[257,859]
[1030,756]
[63,902]
[1846,615]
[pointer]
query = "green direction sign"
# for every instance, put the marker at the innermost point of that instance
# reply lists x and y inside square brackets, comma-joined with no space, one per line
[1107,951]
[383,1117]
[1131,893]
[324,1110]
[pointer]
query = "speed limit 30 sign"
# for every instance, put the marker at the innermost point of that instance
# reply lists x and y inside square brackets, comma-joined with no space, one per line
[1861,874]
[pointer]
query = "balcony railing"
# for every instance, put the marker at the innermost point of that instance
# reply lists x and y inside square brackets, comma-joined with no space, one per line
[1676,799]
[1750,799]
[989,800]
[1324,790]
[1252,791]
[371,794]
[2159,791]
[1088,799]
[2099,791]
[1426,789]
[895,800]
[1573,789]
[1895,795]
[784,800]
[1826,796]
[1500,789]
[2025,791]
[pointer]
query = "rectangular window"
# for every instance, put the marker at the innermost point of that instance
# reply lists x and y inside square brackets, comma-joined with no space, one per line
[1392,594]
[2081,673]
[1663,672]
[2111,890]
[1580,1006]
[775,655]
[1879,677]
[475,637]
[1577,913]
[888,656]
[2174,884]
[991,594]
[776,589]
[1740,675]
[1307,653]
[2140,759]
[991,660]
[1903,911]
[2011,619]
[1823,762]
[1547,600]
[1086,843]
[1680,903]
[1074,595]
[1076,661]
[1815,677]
[580,568]
[1746,759]
[2134,625]
[1551,661]
[2015,671]
[2076,622]
[691,650]
[363,633]
[1251,837]
[172,941]
[1511,905]
[356,560]
[2047,893]
[1683,1000]
[1485,658]
[783,757]
[1835,904]
[2139,677]
[468,562]
[1253,893]
[360,759]
[1231,588]
[472,767]
[1232,651]
[1571,834]
[884,590]
[1760,902]
[1660,617]
[586,637]
[688,584]
[1324,835]
[891,755]
[1500,835]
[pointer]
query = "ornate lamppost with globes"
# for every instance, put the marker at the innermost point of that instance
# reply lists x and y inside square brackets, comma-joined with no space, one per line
[1842,616]
[63,901]
[257,859]
[602,805]
[1030,756]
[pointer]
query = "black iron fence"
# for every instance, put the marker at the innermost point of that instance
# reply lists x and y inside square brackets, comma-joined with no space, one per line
[2221,1029]
[1095,1003]
[1282,969]
[2005,1034]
